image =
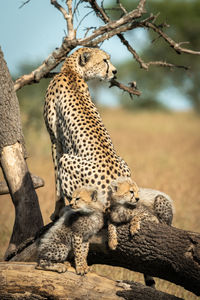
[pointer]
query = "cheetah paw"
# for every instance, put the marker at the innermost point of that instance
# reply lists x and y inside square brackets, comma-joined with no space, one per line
[112,243]
[60,268]
[134,227]
[82,270]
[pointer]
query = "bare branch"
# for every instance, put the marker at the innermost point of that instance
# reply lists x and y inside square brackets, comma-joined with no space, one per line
[101,34]
[130,89]
[121,7]
[68,16]
[101,13]
[24,3]
[71,31]
[60,8]
[172,43]
[165,64]
[117,27]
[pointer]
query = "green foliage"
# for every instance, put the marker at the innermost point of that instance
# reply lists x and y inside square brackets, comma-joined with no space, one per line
[183,18]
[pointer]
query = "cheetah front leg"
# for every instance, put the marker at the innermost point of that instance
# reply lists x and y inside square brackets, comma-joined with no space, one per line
[112,236]
[80,254]
[60,201]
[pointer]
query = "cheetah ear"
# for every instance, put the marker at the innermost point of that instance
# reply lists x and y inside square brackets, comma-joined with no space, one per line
[84,58]
[94,195]
[114,186]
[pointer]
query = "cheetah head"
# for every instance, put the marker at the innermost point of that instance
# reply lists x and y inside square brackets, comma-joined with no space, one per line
[124,191]
[90,63]
[87,199]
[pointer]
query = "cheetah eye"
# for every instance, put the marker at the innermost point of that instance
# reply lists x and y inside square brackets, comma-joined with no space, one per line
[132,192]
[105,60]
[77,199]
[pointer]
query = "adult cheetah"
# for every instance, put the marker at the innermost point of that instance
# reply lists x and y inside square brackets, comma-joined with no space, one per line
[82,149]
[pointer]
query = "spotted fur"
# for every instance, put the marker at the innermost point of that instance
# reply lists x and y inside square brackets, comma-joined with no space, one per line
[82,149]
[129,204]
[72,232]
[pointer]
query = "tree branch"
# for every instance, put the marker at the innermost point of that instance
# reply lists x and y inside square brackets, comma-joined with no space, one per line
[130,89]
[98,36]
[172,43]
[37,183]
[157,250]
[111,28]
[15,280]
[100,12]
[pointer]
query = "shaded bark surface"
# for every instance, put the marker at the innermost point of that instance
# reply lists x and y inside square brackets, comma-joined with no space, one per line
[10,122]
[157,250]
[28,218]
[24,280]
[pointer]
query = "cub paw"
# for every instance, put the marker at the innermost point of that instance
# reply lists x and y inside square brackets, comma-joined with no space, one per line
[112,243]
[82,270]
[60,268]
[134,226]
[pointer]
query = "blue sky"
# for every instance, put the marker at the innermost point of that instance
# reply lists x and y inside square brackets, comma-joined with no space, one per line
[30,33]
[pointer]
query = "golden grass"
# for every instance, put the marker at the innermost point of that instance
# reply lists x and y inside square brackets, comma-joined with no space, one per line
[163,152]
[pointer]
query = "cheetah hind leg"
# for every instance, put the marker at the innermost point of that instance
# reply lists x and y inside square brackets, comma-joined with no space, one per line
[163,209]
[52,266]
[60,201]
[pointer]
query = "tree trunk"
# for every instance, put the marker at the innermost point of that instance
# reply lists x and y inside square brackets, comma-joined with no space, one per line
[24,280]
[28,218]
[157,250]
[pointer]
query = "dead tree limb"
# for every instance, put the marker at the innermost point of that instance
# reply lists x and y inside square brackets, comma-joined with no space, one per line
[157,250]
[37,183]
[137,18]
[28,218]
[22,279]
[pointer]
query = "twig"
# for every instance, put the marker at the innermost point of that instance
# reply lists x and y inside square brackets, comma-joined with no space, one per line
[98,36]
[24,3]
[60,8]
[172,43]
[130,89]
[121,6]
[117,27]
[68,16]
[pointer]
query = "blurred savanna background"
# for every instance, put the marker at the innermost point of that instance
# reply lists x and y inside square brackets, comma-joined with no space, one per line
[157,134]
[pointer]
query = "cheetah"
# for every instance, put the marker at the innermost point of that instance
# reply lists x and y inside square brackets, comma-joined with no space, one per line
[129,203]
[81,220]
[82,149]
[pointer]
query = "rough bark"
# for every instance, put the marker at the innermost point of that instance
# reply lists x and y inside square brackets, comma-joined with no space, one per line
[157,250]
[22,279]
[37,183]
[10,123]
[28,218]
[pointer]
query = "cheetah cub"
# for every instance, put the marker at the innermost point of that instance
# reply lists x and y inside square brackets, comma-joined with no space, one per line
[81,220]
[131,204]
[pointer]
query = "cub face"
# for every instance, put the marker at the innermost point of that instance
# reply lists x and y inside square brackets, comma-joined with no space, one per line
[124,191]
[86,199]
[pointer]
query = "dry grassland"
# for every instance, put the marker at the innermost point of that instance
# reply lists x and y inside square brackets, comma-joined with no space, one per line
[163,152]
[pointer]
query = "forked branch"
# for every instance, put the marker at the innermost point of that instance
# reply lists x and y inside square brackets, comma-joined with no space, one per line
[127,22]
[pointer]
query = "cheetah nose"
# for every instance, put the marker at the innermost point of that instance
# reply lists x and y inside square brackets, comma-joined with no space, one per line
[137,199]
[114,71]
